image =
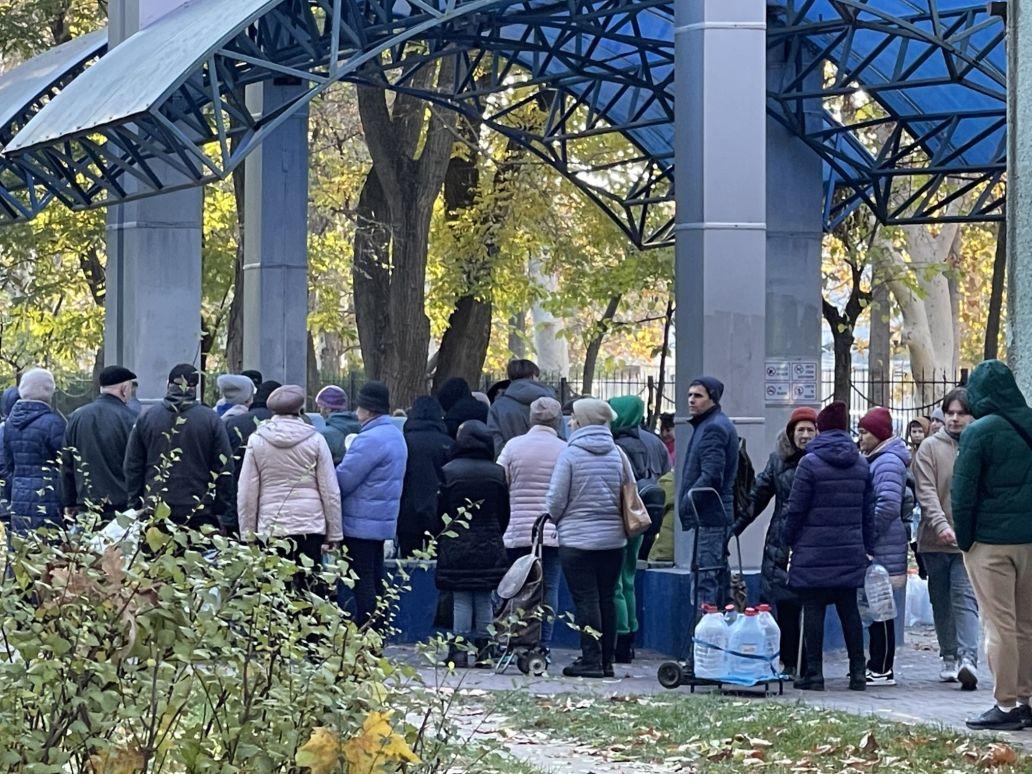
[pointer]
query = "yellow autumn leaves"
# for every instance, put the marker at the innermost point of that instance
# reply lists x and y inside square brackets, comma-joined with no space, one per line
[377,749]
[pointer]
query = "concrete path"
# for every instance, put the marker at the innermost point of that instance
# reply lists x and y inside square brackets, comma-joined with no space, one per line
[919,697]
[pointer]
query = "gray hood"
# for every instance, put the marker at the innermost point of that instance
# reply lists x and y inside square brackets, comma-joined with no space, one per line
[596,439]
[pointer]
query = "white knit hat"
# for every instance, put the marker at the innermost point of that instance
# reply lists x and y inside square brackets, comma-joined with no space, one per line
[592,411]
[37,384]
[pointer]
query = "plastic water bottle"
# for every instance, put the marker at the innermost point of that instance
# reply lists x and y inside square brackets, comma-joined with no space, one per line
[881,604]
[710,644]
[746,645]
[772,633]
[730,614]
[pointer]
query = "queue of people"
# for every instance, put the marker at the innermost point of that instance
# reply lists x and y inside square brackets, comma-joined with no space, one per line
[957,486]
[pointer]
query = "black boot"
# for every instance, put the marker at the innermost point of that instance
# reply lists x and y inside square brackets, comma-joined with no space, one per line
[812,674]
[624,652]
[485,654]
[457,656]
[857,675]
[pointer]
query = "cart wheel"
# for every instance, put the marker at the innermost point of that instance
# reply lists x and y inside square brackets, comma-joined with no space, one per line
[670,675]
[537,664]
[523,663]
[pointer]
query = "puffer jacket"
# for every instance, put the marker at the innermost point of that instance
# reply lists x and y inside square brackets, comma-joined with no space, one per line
[371,476]
[584,494]
[992,479]
[829,521]
[774,483]
[529,461]
[888,464]
[33,437]
[510,413]
[711,461]
[339,425]
[473,557]
[287,483]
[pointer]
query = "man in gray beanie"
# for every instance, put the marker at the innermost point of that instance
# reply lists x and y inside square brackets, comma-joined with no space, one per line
[710,463]
[33,436]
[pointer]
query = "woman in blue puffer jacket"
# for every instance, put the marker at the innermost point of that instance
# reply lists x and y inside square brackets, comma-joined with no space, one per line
[33,437]
[889,458]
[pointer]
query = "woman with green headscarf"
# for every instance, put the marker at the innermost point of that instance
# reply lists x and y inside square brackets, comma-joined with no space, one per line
[649,460]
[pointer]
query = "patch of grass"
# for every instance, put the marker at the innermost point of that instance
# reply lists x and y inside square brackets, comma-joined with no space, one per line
[717,734]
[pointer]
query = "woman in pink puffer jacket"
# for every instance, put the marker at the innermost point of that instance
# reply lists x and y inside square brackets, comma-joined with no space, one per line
[288,487]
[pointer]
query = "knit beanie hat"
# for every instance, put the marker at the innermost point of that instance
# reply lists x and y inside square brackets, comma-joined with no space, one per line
[834,416]
[878,422]
[333,398]
[592,411]
[261,395]
[184,375]
[801,414]
[254,376]
[237,389]
[37,384]
[545,411]
[713,386]
[629,410]
[374,397]
[288,399]
[939,415]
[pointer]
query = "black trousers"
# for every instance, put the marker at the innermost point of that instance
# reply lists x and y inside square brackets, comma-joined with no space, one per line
[815,604]
[307,579]
[591,577]
[787,614]
[366,558]
[409,542]
[882,635]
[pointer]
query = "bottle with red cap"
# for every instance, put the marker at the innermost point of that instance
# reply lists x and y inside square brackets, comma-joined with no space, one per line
[710,644]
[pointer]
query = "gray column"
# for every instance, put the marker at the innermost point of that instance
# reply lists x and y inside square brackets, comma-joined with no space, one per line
[720,253]
[1019,192]
[275,243]
[153,304]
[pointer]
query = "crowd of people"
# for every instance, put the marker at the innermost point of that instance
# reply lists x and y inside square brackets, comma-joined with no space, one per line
[474,471]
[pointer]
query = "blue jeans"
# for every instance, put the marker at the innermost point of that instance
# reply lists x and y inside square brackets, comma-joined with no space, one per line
[954,608]
[471,613]
[551,571]
[714,576]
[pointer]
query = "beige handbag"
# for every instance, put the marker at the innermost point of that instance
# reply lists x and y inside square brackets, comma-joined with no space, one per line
[636,520]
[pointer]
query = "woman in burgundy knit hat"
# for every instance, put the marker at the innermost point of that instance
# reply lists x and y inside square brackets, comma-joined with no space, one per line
[775,483]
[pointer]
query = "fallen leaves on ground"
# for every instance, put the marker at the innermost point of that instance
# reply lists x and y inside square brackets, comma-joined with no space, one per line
[376,749]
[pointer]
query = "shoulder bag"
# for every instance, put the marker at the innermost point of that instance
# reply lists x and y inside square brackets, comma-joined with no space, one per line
[635,516]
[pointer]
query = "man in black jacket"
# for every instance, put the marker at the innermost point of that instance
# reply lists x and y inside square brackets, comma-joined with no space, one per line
[241,427]
[179,454]
[95,440]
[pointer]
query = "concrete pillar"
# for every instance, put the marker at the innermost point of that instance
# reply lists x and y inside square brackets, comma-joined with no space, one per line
[1019,192]
[720,253]
[275,242]
[153,307]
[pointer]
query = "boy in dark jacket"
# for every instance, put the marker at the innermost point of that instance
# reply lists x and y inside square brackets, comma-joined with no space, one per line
[992,518]
[472,563]
[829,527]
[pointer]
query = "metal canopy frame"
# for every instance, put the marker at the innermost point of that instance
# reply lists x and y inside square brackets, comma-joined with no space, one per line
[571,70]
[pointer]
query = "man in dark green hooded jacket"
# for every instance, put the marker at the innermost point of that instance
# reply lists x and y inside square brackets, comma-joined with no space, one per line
[992,515]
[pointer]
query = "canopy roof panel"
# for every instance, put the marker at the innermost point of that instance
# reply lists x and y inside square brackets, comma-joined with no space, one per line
[913,93]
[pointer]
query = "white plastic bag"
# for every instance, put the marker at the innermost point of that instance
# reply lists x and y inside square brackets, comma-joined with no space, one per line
[919,605]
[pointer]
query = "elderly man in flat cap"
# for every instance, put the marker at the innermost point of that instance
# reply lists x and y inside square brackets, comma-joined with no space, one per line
[94,447]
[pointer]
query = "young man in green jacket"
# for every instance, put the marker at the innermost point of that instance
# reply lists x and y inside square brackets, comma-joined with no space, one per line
[992,516]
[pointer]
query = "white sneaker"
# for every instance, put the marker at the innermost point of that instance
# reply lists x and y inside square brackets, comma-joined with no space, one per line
[877,678]
[968,675]
[948,673]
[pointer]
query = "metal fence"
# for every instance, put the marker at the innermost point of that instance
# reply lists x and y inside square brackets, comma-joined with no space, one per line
[906,395]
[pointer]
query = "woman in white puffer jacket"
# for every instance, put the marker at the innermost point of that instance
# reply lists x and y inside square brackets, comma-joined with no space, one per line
[288,486]
[529,461]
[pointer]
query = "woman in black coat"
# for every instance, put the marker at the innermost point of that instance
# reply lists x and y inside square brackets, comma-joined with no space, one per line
[775,483]
[429,448]
[472,560]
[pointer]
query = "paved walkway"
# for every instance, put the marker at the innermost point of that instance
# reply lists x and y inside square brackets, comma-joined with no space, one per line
[918,697]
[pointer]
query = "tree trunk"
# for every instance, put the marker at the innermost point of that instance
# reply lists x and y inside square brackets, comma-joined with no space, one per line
[663,354]
[991,350]
[235,324]
[879,354]
[464,344]
[370,274]
[518,336]
[595,344]
[843,341]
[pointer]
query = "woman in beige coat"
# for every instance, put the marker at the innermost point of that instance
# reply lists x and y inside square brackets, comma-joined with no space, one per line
[288,487]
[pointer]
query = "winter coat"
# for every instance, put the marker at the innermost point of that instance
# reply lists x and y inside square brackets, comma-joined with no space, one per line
[234,412]
[888,464]
[774,483]
[429,448]
[33,436]
[240,428]
[464,410]
[933,475]
[829,520]
[529,461]
[474,559]
[7,401]
[711,460]
[584,493]
[339,425]
[287,483]
[91,462]
[992,478]
[646,452]
[510,413]
[370,478]
[198,487]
